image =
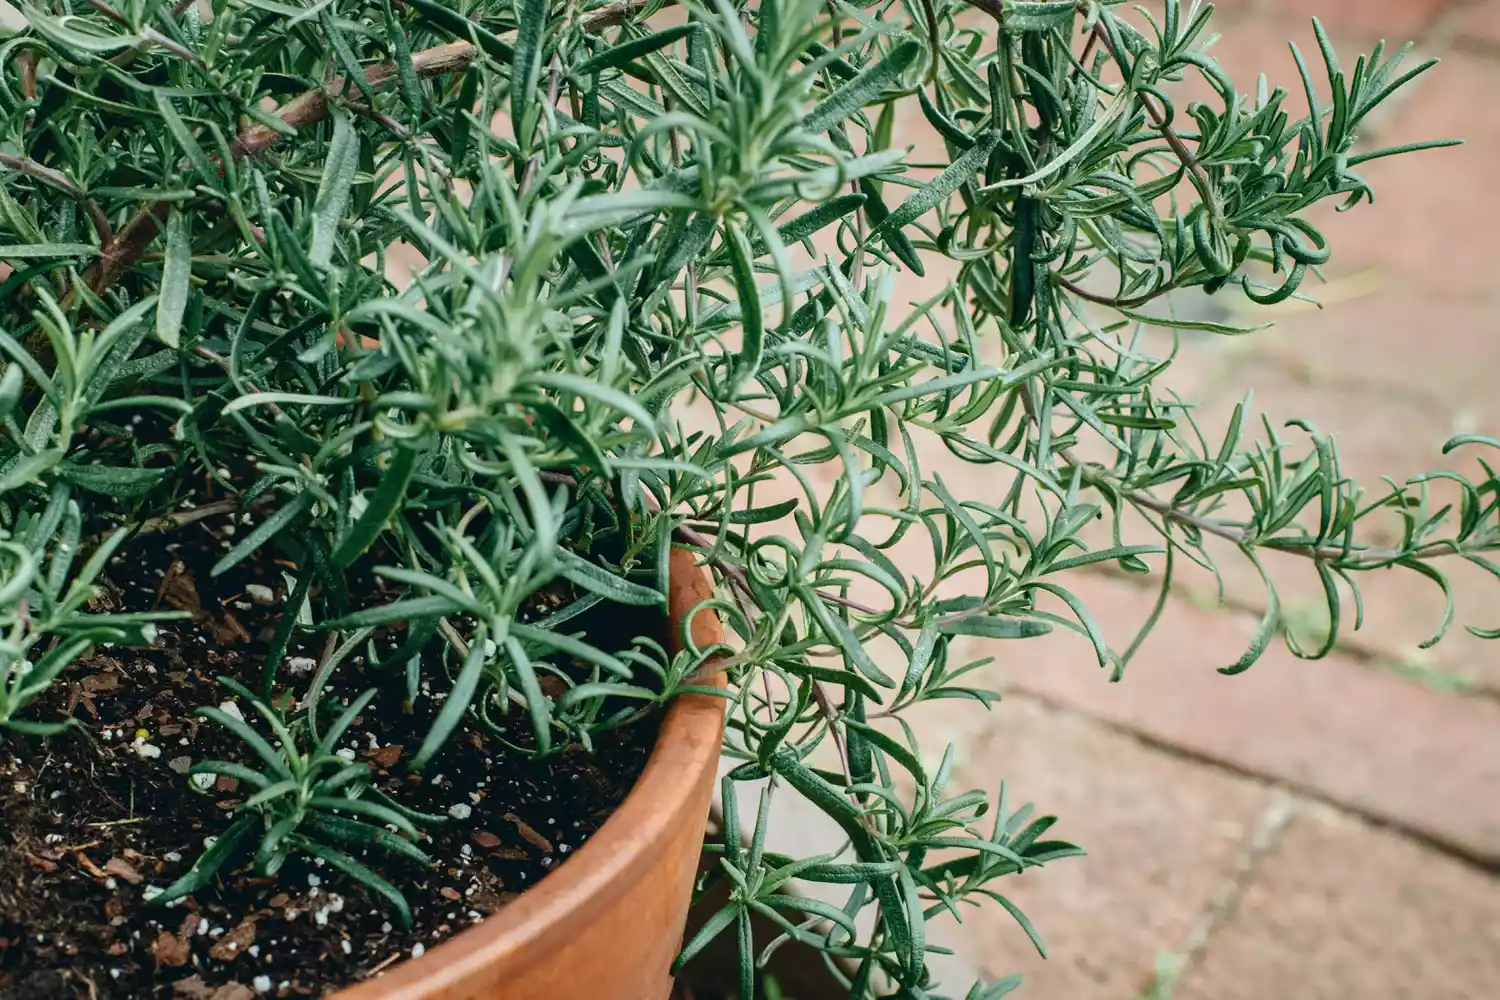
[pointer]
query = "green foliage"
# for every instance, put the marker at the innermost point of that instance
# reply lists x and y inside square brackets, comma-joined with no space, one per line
[304,800]
[45,624]
[510,299]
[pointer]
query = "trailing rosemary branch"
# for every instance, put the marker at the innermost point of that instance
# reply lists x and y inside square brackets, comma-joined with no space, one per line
[493,299]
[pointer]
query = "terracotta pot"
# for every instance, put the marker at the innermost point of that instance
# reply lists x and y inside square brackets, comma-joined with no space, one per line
[606,924]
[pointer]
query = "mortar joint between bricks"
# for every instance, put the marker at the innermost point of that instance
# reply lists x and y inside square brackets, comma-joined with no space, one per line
[1223,902]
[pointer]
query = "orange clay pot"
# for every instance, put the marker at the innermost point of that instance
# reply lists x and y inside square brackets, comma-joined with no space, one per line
[606,924]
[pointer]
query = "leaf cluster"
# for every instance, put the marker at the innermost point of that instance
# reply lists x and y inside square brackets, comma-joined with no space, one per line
[304,800]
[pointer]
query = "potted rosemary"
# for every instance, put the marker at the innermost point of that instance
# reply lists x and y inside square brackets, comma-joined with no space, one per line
[434,432]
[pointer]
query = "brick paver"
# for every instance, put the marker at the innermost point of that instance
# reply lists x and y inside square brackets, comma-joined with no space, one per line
[1375,742]
[1162,835]
[1340,910]
[1482,24]
[1391,343]
[1393,19]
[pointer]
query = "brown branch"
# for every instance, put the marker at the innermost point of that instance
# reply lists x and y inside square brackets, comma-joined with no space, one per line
[1105,300]
[554,88]
[27,62]
[1352,558]
[308,109]
[1088,50]
[109,12]
[149,33]
[616,13]
[181,51]
[29,167]
[182,518]
[1159,119]
[312,107]
[129,246]
[380,118]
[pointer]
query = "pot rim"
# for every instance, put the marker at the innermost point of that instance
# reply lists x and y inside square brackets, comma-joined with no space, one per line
[685,755]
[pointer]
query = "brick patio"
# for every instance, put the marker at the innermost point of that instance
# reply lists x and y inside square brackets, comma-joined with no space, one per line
[1307,830]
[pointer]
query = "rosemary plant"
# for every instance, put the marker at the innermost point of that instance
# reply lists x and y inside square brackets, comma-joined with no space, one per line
[621,221]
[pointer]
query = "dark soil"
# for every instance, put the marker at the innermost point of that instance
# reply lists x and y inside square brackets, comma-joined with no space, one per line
[92,821]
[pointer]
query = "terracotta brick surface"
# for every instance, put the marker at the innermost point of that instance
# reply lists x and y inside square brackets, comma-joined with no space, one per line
[1339,910]
[1162,835]
[1397,20]
[1381,331]
[1375,742]
[1253,41]
[1381,431]
[1482,24]
[1435,210]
